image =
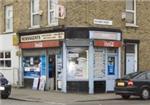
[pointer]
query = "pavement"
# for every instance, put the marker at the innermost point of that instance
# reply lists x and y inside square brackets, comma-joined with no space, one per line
[24,94]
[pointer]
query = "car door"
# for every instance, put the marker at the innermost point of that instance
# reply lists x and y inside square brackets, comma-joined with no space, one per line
[148,78]
[140,80]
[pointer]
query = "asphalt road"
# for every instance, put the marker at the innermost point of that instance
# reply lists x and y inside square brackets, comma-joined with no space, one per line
[115,101]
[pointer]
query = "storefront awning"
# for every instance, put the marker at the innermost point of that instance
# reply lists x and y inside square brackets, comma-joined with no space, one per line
[40,44]
[102,43]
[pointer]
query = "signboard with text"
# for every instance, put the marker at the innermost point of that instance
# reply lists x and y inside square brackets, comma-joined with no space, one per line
[43,37]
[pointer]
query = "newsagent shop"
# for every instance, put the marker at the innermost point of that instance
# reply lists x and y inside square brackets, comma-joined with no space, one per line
[71,59]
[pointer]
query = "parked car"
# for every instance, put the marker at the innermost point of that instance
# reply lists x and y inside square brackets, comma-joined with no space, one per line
[5,87]
[137,83]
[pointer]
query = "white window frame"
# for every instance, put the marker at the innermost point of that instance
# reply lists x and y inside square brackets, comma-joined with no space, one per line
[55,10]
[9,18]
[134,24]
[4,59]
[35,13]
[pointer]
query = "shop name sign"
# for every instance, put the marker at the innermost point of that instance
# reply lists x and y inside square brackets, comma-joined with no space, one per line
[43,37]
[105,35]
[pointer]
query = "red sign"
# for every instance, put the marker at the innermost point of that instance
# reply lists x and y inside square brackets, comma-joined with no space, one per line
[107,43]
[44,44]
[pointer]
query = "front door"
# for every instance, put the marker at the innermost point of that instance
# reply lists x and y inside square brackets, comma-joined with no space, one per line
[111,72]
[52,71]
[130,63]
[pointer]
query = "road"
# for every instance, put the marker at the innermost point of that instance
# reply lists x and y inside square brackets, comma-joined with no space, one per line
[115,101]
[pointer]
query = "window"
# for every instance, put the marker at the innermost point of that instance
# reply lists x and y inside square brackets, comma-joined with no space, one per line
[9,18]
[35,16]
[141,77]
[5,59]
[130,12]
[77,67]
[52,12]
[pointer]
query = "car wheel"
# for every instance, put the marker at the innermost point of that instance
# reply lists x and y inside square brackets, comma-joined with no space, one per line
[4,96]
[125,96]
[145,94]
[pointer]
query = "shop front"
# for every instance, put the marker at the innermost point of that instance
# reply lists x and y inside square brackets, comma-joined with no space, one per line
[75,59]
[41,57]
[93,59]
[107,59]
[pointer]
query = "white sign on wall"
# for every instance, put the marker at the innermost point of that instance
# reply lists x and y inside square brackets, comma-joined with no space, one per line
[105,35]
[102,22]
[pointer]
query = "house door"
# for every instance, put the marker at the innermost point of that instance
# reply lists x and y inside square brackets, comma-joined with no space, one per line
[130,63]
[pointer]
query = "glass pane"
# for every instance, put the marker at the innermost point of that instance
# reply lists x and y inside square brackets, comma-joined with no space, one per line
[35,6]
[36,19]
[1,63]
[130,17]
[8,63]
[1,55]
[51,4]
[130,4]
[32,5]
[7,55]
[130,48]
[52,18]
[77,64]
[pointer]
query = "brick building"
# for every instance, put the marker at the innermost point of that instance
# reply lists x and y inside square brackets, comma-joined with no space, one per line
[76,45]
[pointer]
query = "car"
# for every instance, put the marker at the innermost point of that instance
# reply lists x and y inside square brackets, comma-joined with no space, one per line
[5,87]
[137,84]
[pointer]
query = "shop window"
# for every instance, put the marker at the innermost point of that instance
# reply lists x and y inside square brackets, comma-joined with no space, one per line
[130,12]
[77,64]
[34,66]
[9,18]
[52,12]
[5,59]
[35,16]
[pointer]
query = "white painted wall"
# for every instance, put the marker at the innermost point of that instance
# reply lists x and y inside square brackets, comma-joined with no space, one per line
[6,44]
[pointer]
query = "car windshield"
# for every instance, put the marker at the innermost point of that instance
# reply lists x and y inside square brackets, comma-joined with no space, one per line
[131,75]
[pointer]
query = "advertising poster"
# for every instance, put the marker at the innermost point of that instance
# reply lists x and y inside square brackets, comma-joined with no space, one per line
[111,65]
[31,66]
[43,65]
[77,65]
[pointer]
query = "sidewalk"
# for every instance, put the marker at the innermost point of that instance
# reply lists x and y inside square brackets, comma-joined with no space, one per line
[56,96]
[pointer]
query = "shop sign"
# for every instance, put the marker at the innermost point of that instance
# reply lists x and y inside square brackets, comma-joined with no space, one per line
[44,44]
[15,40]
[43,37]
[105,35]
[38,44]
[107,43]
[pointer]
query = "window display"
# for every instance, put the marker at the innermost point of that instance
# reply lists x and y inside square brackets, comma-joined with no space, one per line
[34,66]
[77,64]
[99,64]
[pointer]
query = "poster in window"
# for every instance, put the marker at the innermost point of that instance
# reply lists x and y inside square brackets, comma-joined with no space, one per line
[111,65]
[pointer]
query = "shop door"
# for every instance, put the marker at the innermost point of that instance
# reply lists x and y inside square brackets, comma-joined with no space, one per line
[111,72]
[52,71]
[130,63]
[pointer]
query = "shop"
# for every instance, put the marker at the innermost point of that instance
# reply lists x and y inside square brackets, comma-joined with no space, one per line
[72,59]
[41,57]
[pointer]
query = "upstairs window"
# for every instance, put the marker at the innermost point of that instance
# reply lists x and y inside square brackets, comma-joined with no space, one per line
[35,17]
[130,12]
[52,12]
[9,18]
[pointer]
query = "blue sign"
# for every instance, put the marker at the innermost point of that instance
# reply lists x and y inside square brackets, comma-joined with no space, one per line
[43,65]
[111,69]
